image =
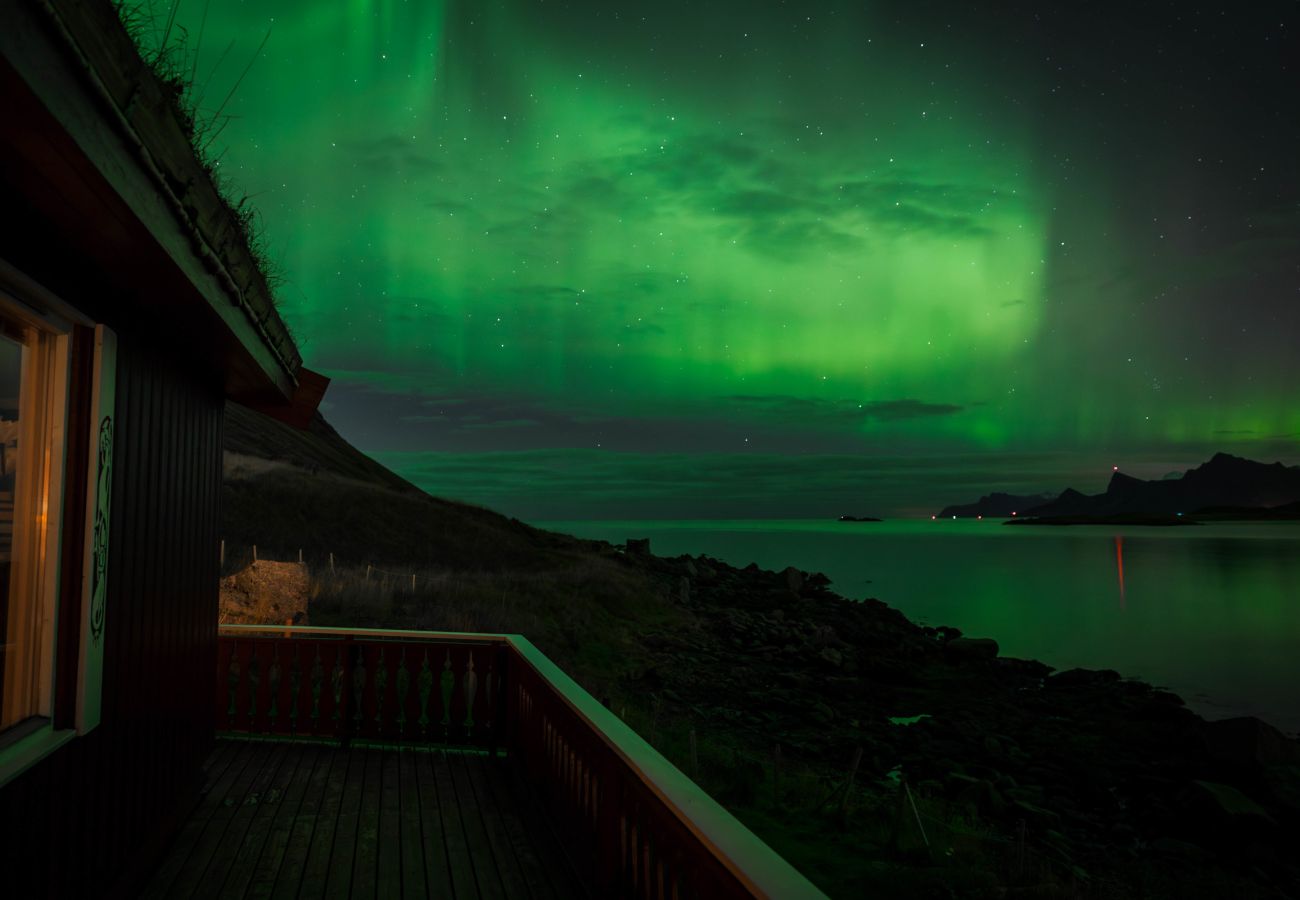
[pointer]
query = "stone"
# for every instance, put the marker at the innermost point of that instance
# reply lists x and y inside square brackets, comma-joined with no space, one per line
[793,579]
[1247,742]
[638,546]
[965,649]
[1227,806]
[832,657]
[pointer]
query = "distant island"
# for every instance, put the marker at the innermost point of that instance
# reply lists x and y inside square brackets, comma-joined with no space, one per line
[1226,488]
[859,519]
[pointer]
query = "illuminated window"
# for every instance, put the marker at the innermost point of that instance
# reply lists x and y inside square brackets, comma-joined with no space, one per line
[33,397]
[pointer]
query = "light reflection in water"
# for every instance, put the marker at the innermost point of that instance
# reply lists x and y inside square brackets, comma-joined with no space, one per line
[1119,561]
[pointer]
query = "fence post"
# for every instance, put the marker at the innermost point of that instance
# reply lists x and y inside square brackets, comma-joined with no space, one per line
[254,553]
[412,582]
[853,771]
[331,563]
[223,553]
[776,775]
[300,556]
[367,573]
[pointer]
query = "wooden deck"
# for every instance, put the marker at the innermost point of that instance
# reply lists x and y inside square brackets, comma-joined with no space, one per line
[299,820]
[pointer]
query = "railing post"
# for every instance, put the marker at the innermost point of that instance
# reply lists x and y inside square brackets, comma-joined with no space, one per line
[499,733]
[345,708]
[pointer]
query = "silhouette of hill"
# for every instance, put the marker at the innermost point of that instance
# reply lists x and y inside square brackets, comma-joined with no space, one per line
[996,505]
[1225,487]
[1223,481]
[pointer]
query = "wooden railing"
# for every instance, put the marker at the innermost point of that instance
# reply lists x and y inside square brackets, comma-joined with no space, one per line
[633,824]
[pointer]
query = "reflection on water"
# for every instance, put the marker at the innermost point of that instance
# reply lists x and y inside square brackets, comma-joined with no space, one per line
[1119,564]
[1212,612]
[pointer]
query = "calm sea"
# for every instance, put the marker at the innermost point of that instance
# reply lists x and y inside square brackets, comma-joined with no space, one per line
[1211,612]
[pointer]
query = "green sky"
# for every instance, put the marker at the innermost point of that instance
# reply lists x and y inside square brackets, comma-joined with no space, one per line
[797,230]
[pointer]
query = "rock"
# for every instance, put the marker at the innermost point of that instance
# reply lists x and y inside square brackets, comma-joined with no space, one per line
[1083,678]
[691,571]
[1248,743]
[965,649]
[832,657]
[821,713]
[1224,805]
[793,579]
[638,546]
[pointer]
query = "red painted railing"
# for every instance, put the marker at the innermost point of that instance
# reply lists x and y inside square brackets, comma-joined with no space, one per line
[632,823]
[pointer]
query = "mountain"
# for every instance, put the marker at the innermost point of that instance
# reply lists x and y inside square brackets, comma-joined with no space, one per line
[996,505]
[1223,481]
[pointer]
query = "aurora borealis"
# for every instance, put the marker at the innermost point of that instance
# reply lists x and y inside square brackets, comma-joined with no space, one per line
[588,258]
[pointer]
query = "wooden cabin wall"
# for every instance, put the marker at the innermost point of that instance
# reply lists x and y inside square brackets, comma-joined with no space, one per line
[93,817]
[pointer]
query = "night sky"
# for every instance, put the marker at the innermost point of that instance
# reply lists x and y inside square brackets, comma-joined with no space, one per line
[620,259]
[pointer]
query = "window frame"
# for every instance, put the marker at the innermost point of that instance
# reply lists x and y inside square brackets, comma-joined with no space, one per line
[70,674]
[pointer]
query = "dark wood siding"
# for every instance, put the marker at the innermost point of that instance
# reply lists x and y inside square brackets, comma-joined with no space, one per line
[92,818]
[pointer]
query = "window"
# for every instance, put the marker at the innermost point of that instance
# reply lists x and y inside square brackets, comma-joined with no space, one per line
[33,398]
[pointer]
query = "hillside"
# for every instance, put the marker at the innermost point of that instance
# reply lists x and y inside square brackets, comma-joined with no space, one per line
[804,712]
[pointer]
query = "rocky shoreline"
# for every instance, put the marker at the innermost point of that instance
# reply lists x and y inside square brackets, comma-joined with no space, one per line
[1114,777]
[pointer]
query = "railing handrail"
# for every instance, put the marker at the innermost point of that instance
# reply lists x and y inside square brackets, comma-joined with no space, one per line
[332,631]
[747,857]
[761,869]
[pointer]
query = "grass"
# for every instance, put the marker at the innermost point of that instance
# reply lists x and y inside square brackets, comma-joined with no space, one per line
[166,49]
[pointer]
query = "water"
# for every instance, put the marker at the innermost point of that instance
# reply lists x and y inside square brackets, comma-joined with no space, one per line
[1210,612]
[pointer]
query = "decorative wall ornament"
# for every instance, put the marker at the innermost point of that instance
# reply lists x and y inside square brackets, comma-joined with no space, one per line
[99,540]
[98,454]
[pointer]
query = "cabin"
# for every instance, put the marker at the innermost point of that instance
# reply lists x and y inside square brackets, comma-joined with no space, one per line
[143,749]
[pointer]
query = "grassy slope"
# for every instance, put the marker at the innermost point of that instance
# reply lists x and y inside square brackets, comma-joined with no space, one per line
[580,601]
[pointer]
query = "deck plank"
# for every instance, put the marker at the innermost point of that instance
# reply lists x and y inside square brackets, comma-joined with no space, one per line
[433,841]
[306,820]
[389,862]
[256,837]
[338,884]
[486,867]
[412,847]
[498,834]
[190,875]
[463,884]
[262,881]
[366,859]
[294,861]
[316,868]
[223,770]
[230,859]
[542,844]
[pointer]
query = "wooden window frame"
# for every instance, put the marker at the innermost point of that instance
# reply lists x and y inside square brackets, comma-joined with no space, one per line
[73,574]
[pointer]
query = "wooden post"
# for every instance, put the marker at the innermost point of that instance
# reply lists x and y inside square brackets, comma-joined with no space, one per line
[412,582]
[254,553]
[776,775]
[223,553]
[853,771]
[695,758]
[367,573]
[331,563]
[300,556]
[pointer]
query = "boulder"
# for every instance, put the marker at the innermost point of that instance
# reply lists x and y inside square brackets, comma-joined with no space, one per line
[1249,743]
[964,649]
[638,546]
